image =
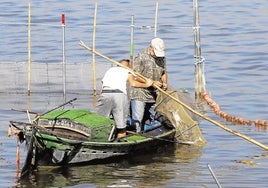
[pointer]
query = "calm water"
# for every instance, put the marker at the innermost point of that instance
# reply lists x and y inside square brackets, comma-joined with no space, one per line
[234,41]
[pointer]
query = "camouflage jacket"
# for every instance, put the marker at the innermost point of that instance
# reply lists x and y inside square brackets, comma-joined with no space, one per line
[149,67]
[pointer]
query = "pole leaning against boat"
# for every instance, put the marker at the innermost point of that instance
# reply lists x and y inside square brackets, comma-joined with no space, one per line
[245,137]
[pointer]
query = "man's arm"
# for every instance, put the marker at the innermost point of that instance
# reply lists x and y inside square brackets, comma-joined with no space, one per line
[135,81]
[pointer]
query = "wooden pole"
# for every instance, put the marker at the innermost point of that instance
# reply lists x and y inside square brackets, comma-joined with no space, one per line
[131,57]
[155,19]
[93,47]
[29,50]
[180,102]
[63,54]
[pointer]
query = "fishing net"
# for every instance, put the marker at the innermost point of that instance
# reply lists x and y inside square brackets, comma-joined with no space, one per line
[185,122]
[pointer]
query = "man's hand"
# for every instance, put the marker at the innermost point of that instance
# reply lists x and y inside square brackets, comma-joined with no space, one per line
[157,84]
[164,86]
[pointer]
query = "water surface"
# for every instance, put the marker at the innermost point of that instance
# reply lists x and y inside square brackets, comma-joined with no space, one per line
[234,42]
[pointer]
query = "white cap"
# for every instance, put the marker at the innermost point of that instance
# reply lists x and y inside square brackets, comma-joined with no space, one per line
[158,46]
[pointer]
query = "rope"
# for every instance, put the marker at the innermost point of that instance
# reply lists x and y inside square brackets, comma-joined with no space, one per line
[260,124]
[199,60]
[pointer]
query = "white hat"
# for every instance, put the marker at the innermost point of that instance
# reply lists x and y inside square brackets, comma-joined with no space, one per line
[158,46]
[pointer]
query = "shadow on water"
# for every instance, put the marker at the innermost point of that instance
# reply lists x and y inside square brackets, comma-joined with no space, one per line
[132,171]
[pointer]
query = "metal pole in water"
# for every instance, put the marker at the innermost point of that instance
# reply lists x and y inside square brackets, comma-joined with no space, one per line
[199,67]
[214,176]
[131,41]
[155,19]
[63,54]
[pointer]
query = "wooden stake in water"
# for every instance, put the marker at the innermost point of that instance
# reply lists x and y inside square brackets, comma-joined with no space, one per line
[131,57]
[63,55]
[199,67]
[94,47]
[155,19]
[29,49]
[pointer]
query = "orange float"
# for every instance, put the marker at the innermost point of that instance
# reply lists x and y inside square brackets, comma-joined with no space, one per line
[262,124]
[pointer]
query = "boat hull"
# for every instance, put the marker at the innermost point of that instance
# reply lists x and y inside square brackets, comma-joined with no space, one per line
[52,152]
[47,147]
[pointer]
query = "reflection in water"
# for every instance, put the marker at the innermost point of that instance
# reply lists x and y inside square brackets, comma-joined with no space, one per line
[254,161]
[135,171]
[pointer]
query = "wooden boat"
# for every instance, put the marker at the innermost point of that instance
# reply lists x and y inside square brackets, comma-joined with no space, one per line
[63,137]
[68,137]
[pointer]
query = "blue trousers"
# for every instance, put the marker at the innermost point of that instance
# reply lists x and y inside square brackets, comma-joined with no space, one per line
[142,111]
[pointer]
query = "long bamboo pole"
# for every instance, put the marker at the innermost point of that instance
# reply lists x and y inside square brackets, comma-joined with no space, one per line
[29,50]
[247,138]
[93,47]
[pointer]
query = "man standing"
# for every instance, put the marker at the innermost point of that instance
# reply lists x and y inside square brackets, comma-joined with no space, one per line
[151,63]
[114,98]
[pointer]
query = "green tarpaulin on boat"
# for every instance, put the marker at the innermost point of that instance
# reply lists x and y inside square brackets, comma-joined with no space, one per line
[80,116]
[98,127]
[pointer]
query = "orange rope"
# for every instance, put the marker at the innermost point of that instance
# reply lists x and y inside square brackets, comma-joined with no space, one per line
[260,124]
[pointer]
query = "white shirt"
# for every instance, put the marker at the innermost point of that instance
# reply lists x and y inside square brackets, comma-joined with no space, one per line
[116,78]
